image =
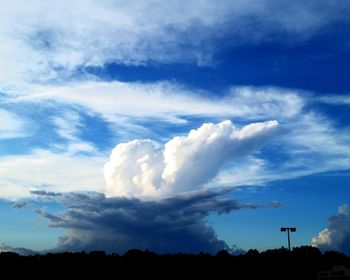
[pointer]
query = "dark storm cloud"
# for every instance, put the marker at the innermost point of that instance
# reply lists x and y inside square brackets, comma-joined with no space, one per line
[45,193]
[116,224]
[19,204]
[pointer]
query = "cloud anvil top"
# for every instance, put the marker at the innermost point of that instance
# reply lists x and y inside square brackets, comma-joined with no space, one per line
[185,163]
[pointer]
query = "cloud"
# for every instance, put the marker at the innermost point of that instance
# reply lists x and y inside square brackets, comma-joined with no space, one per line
[12,126]
[169,102]
[335,99]
[20,204]
[318,136]
[309,143]
[185,163]
[46,170]
[45,193]
[20,251]
[68,127]
[43,41]
[117,224]
[337,235]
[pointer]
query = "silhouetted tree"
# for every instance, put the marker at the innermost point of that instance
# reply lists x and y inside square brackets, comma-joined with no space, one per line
[223,254]
[134,253]
[252,253]
[302,263]
[307,251]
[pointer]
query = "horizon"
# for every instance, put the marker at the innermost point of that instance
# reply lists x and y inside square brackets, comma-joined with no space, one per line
[168,125]
[301,251]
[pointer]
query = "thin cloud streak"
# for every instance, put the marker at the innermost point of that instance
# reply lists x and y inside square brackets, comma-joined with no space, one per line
[12,126]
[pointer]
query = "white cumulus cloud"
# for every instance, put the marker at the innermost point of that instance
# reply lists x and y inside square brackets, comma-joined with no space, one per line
[337,235]
[140,168]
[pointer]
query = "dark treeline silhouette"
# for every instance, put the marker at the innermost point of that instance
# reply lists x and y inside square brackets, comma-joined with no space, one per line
[303,262]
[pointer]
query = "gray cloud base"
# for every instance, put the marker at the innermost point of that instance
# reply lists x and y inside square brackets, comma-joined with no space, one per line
[117,224]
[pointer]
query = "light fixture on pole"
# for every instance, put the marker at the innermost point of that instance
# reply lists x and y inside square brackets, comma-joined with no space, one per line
[288,229]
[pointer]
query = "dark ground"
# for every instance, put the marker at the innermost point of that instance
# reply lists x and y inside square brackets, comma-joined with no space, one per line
[301,263]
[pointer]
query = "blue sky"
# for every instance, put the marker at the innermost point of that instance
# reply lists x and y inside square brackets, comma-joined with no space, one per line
[149,101]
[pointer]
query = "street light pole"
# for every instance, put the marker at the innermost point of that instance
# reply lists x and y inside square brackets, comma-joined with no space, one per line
[288,230]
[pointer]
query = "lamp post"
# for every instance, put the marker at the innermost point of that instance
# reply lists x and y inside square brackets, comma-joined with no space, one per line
[288,229]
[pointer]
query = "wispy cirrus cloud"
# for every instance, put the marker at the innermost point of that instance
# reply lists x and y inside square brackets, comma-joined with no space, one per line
[170,102]
[12,126]
[68,126]
[44,41]
[311,143]
[40,169]
[335,99]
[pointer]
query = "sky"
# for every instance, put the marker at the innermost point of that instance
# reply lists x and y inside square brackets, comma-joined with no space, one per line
[174,126]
